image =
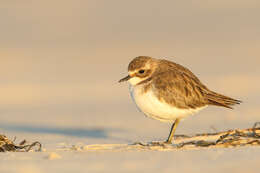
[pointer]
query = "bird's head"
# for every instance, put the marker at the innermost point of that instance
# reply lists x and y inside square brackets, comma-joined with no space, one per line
[140,69]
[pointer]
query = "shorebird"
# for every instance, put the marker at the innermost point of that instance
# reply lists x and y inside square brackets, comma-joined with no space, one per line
[169,92]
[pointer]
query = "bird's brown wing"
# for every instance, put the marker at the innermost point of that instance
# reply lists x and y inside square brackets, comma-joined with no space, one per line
[178,86]
[179,89]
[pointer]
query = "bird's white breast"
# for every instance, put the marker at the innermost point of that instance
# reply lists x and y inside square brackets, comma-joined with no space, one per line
[151,106]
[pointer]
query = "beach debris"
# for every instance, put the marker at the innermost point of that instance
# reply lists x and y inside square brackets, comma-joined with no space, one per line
[225,139]
[23,146]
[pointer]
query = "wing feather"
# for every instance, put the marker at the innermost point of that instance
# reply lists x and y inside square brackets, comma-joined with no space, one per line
[180,87]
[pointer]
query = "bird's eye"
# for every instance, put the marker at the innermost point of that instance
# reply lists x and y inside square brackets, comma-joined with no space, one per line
[141,71]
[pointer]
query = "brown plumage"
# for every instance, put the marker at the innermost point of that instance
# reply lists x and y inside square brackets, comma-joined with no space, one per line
[179,86]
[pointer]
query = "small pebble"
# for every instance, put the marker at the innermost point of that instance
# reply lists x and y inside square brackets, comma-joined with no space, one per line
[53,156]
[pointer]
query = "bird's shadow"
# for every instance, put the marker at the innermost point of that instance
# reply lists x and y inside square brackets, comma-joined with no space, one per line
[95,132]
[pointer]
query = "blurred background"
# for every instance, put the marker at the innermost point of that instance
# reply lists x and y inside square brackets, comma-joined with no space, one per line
[60,62]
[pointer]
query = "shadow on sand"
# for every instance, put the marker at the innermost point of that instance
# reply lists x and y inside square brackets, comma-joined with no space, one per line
[76,132]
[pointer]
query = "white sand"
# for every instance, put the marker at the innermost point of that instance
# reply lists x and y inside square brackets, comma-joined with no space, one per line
[209,160]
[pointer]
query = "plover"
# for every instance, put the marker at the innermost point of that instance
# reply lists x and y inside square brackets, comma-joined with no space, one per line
[169,92]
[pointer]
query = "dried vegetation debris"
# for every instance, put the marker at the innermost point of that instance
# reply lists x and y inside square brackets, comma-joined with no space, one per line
[8,145]
[226,139]
[230,138]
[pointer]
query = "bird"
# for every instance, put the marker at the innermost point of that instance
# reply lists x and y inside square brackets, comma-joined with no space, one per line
[169,92]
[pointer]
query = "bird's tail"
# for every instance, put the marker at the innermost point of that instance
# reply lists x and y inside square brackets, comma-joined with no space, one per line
[221,100]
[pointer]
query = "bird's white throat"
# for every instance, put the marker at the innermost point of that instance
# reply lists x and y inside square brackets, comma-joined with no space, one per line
[135,80]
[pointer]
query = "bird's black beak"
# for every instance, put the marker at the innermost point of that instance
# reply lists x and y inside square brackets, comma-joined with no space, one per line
[125,79]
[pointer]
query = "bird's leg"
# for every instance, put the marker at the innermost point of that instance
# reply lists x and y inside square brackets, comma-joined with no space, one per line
[168,141]
[173,128]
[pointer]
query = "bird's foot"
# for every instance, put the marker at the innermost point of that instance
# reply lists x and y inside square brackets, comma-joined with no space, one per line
[154,143]
[159,143]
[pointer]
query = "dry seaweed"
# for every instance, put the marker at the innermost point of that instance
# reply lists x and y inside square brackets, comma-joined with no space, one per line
[8,145]
[230,138]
